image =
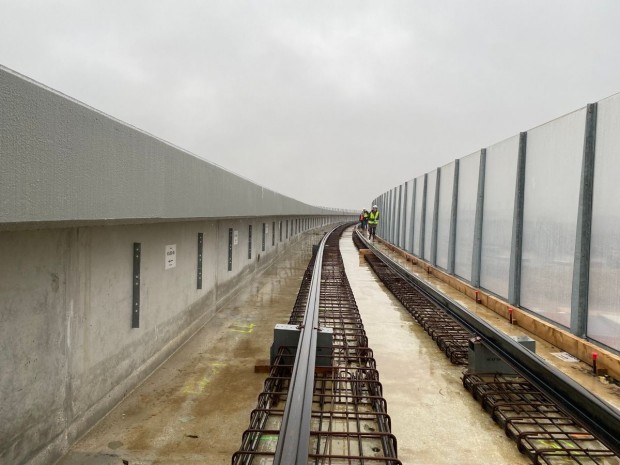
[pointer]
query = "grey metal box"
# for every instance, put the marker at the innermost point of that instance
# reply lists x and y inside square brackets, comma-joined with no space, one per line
[483,360]
[288,335]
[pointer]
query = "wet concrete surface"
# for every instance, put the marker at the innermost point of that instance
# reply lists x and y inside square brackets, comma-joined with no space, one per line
[581,372]
[195,407]
[435,420]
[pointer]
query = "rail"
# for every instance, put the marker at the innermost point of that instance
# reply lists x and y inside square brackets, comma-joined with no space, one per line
[600,418]
[294,439]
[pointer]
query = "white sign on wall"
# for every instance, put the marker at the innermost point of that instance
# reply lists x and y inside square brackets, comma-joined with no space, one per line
[236,237]
[266,229]
[171,256]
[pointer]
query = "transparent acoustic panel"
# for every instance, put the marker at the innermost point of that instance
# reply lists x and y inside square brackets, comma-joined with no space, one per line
[408,216]
[431,180]
[469,169]
[552,177]
[417,220]
[499,197]
[446,184]
[604,298]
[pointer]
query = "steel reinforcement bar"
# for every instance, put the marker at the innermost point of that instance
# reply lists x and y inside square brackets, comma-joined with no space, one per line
[337,414]
[587,419]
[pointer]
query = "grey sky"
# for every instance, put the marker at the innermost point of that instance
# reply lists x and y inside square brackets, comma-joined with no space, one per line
[329,102]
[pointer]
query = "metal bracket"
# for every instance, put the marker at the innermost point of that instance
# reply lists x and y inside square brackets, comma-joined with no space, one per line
[135,310]
[199,265]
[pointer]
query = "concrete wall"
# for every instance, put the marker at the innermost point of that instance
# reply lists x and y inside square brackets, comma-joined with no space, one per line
[77,190]
[68,352]
[64,161]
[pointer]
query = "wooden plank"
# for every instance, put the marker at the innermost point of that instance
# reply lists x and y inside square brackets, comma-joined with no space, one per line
[607,361]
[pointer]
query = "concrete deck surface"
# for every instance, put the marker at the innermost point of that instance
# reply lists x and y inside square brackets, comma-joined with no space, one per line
[577,370]
[195,407]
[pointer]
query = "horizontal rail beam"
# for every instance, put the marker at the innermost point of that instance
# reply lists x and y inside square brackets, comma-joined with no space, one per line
[294,438]
[596,415]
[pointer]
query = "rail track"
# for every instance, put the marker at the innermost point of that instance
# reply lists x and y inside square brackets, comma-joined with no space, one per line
[333,414]
[552,419]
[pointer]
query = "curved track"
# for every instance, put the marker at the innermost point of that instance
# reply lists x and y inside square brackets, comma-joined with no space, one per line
[552,418]
[333,413]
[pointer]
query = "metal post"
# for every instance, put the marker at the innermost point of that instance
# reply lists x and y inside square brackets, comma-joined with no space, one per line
[412,219]
[405,218]
[516,247]
[423,217]
[477,250]
[391,223]
[399,215]
[455,200]
[435,219]
[581,266]
[135,311]
[199,264]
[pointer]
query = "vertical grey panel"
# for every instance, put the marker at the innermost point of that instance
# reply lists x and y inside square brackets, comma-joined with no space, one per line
[516,242]
[418,219]
[135,311]
[273,234]
[388,223]
[444,213]
[552,176]
[387,215]
[435,216]
[453,212]
[429,207]
[393,216]
[469,168]
[477,252]
[498,211]
[399,217]
[604,280]
[264,236]
[403,222]
[199,264]
[581,261]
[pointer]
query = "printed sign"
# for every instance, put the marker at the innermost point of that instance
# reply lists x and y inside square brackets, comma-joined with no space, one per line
[171,256]
[565,356]
[236,237]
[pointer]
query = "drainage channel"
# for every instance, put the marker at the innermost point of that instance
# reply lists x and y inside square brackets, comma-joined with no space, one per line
[539,424]
[348,421]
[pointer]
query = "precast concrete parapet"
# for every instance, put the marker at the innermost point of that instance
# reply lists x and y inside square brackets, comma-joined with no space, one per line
[62,161]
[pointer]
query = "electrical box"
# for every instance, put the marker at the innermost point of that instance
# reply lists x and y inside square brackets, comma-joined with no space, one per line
[288,336]
[484,360]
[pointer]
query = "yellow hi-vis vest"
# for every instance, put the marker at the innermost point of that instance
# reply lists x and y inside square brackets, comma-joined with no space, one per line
[373,217]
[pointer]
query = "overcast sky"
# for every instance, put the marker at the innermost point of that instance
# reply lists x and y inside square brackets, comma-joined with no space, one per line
[330,102]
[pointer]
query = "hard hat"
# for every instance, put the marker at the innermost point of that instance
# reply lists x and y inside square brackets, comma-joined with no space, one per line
[374,206]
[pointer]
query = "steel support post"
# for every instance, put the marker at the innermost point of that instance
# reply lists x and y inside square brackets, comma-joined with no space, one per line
[453,210]
[423,217]
[581,265]
[477,250]
[399,216]
[435,217]
[412,219]
[516,246]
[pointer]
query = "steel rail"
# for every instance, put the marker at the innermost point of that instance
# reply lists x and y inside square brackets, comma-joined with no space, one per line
[601,418]
[294,439]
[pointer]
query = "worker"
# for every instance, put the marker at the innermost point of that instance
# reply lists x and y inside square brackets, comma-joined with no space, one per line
[361,218]
[373,220]
[365,220]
